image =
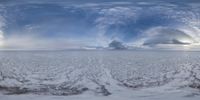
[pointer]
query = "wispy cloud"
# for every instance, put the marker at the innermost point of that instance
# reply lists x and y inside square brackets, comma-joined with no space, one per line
[113,16]
[50,24]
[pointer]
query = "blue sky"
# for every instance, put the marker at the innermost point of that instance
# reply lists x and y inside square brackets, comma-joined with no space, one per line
[62,24]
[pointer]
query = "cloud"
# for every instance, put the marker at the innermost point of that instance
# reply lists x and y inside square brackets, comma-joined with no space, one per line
[113,16]
[116,45]
[2,24]
[73,25]
[168,38]
[163,35]
[1,39]
[37,43]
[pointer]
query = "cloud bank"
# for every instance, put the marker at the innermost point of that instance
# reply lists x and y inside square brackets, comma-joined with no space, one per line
[162,35]
[65,24]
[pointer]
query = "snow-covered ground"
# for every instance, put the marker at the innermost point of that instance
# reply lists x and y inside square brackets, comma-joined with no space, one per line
[99,75]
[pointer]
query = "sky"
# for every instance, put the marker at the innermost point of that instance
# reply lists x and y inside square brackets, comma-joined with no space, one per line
[66,24]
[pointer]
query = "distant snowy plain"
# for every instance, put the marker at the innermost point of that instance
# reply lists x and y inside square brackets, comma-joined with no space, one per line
[99,75]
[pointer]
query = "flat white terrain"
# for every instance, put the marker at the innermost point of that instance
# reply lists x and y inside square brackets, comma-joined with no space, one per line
[99,75]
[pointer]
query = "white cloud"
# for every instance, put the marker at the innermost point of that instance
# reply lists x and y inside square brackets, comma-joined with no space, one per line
[113,16]
[162,35]
[34,42]
[169,38]
[1,39]
[116,15]
[2,24]
[102,4]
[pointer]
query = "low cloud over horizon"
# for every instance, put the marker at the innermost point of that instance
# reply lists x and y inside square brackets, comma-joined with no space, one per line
[69,24]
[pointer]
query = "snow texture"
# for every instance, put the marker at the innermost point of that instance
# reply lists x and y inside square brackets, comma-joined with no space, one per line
[103,75]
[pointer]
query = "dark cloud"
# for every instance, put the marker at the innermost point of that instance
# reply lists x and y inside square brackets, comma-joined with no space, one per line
[117,45]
